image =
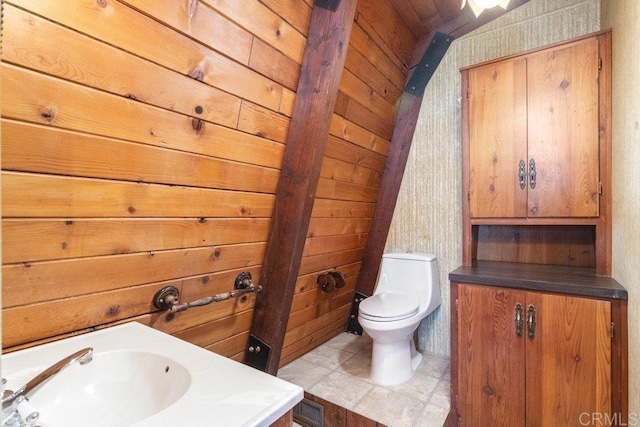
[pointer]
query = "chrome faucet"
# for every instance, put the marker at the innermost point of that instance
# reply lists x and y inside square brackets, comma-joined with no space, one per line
[10,399]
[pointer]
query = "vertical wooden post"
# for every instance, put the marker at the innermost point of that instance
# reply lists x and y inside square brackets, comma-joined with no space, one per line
[322,65]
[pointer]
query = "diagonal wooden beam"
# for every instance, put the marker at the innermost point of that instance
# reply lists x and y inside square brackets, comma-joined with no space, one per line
[322,64]
[408,113]
[401,143]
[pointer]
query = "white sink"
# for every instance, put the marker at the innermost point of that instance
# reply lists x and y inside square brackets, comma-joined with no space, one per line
[142,377]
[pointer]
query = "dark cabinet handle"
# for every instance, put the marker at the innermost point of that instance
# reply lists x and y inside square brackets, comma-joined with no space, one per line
[519,320]
[531,321]
[522,174]
[532,173]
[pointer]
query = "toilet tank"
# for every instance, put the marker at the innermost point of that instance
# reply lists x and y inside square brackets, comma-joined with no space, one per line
[414,273]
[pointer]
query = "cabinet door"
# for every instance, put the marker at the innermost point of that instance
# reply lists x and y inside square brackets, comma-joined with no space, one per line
[498,139]
[490,357]
[568,360]
[563,128]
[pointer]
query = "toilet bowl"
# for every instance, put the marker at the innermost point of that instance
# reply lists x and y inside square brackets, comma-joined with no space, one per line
[407,290]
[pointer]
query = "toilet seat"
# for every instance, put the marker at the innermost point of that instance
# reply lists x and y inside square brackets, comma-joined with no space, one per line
[387,307]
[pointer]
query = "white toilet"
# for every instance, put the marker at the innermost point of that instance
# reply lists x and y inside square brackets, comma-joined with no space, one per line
[408,289]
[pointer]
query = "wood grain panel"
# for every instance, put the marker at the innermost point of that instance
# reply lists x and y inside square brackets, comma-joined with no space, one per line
[319,331]
[231,346]
[36,196]
[337,243]
[270,62]
[292,11]
[142,143]
[284,421]
[129,30]
[287,102]
[378,56]
[162,128]
[338,226]
[340,149]
[331,189]
[31,322]
[265,24]
[40,240]
[210,333]
[572,347]
[358,135]
[263,122]
[354,111]
[553,245]
[491,358]
[38,148]
[563,105]
[355,157]
[314,304]
[38,44]
[359,65]
[346,172]
[341,208]
[62,316]
[354,87]
[332,260]
[497,146]
[391,32]
[42,281]
[201,22]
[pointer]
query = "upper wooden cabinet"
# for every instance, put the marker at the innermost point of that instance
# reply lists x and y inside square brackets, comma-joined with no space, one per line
[534,134]
[536,156]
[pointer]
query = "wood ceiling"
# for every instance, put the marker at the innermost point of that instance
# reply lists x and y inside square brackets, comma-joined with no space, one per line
[424,17]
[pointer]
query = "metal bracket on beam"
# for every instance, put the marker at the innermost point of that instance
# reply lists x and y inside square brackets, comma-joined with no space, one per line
[331,5]
[428,64]
[257,354]
[353,326]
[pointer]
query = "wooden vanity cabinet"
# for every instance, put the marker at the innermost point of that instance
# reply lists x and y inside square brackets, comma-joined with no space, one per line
[542,352]
[531,356]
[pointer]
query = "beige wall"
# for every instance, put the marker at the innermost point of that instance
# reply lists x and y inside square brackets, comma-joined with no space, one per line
[624,17]
[428,215]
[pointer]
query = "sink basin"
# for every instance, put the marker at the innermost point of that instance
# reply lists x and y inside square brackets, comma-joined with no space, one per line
[142,377]
[116,388]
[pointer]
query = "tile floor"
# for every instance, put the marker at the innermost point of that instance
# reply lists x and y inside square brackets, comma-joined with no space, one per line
[338,371]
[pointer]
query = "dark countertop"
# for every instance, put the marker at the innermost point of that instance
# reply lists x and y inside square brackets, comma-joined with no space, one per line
[544,278]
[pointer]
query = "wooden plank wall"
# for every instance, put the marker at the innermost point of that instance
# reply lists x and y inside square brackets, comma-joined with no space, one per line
[359,140]
[141,146]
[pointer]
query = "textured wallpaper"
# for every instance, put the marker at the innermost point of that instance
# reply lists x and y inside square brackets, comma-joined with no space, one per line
[624,17]
[428,214]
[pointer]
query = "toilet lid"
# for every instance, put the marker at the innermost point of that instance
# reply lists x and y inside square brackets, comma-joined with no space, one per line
[389,305]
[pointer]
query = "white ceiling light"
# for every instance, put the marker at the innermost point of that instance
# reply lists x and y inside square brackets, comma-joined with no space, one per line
[478,6]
